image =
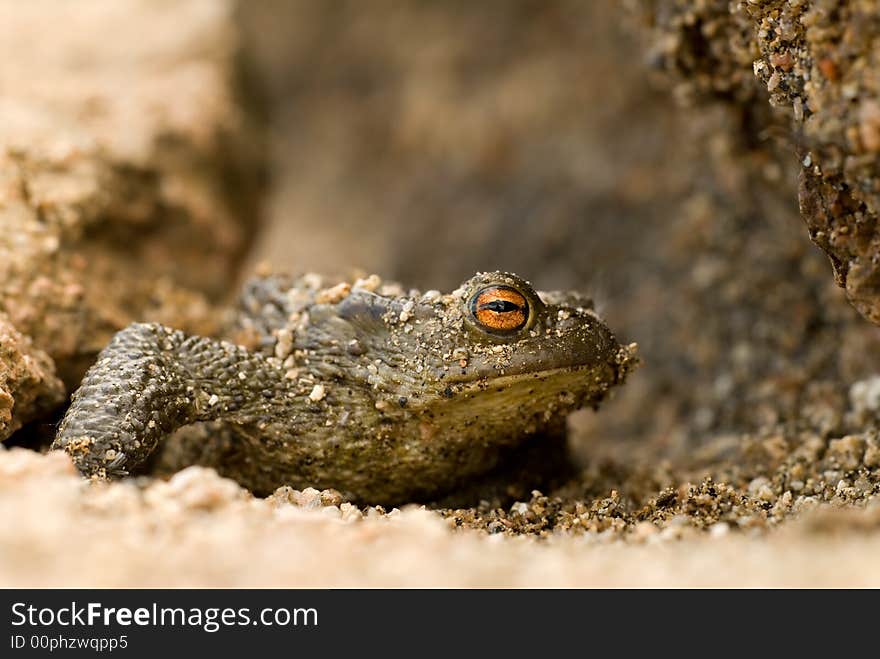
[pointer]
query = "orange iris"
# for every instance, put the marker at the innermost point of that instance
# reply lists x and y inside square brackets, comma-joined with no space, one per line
[500,308]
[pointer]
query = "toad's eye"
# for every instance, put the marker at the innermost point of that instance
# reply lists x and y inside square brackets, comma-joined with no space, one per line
[500,309]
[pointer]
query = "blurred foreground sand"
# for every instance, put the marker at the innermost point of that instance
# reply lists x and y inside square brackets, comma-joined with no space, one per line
[200,530]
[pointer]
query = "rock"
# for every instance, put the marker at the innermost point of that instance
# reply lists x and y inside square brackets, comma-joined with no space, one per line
[864,395]
[129,169]
[818,63]
[845,453]
[307,498]
[761,488]
[872,452]
[719,529]
[28,385]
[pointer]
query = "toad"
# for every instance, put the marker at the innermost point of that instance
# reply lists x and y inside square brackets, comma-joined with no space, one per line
[384,394]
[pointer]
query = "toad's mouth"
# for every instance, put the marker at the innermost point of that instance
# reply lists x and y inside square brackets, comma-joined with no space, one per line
[621,359]
[556,391]
[582,381]
[588,376]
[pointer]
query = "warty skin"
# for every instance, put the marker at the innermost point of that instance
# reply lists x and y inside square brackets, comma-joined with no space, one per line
[388,396]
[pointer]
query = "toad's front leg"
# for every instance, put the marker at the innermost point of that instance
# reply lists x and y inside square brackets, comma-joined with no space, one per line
[151,380]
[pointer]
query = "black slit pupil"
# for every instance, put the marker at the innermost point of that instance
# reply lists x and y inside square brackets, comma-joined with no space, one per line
[500,306]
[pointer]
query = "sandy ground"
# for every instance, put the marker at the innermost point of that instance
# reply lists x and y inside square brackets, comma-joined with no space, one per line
[198,529]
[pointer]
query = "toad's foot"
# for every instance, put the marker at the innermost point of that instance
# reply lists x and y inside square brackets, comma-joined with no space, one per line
[151,380]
